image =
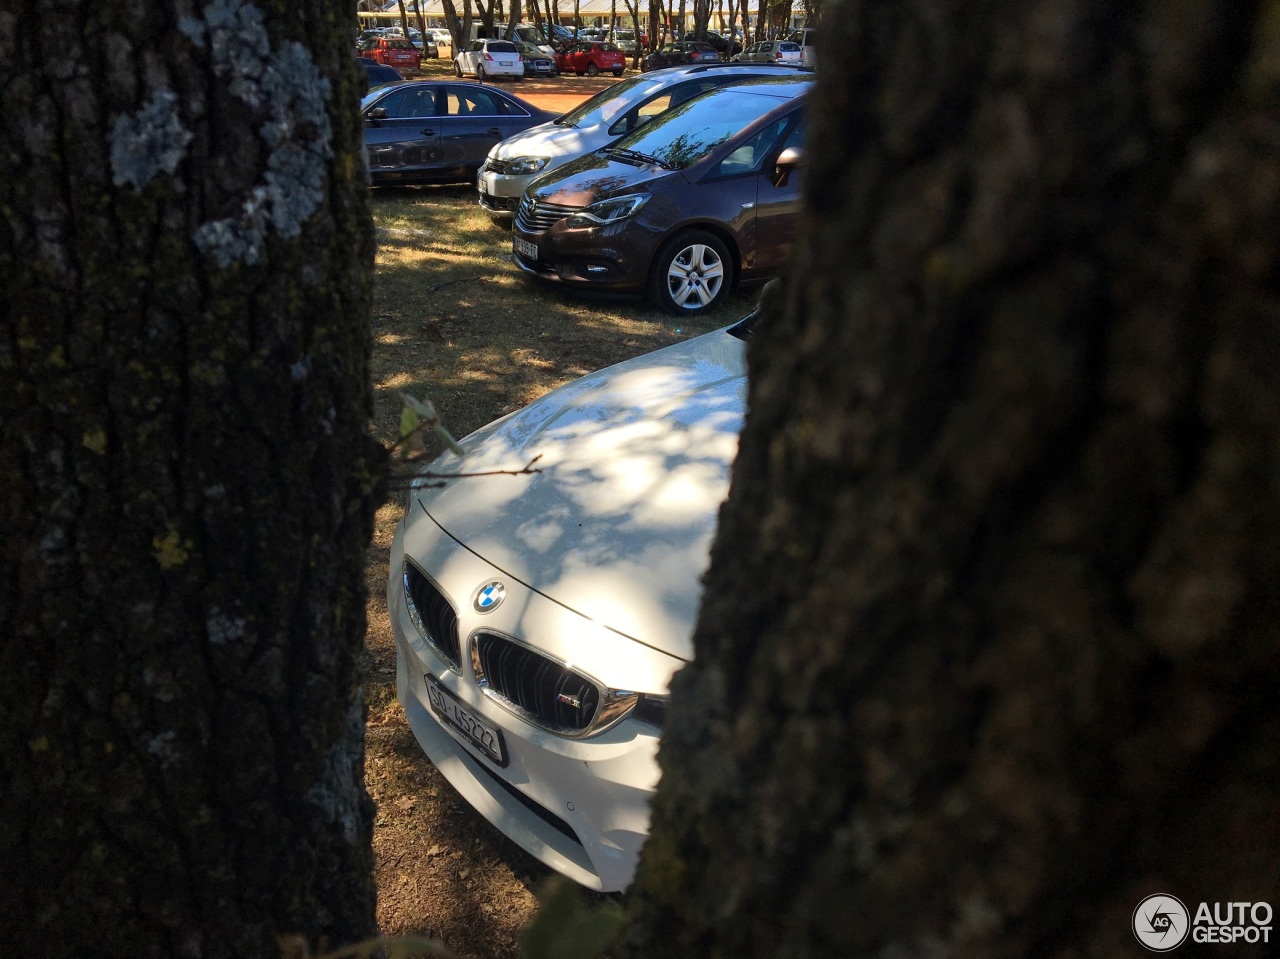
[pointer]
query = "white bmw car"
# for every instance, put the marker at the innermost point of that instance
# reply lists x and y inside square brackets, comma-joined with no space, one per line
[539,617]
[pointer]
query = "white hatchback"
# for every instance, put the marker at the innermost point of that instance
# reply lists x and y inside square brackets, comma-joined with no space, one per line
[489,58]
[539,617]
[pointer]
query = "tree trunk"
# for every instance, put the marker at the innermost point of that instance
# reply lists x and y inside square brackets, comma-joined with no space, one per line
[988,652]
[187,482]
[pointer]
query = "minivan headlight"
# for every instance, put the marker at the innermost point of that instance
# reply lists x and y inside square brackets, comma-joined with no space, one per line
[523,166]
[609,211]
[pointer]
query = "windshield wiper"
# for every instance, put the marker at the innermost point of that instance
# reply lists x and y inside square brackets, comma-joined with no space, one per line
[637,157]
[562,122]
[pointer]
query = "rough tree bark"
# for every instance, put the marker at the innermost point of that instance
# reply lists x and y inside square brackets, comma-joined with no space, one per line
[988,650]
[186,479]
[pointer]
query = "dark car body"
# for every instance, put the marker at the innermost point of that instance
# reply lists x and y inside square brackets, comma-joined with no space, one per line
[536,63]
[591,57]
[438,131]
[681,208]
[725,46]
[377,74]
[679,52]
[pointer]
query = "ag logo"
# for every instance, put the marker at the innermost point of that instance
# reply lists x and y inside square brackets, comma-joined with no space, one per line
[1161,923]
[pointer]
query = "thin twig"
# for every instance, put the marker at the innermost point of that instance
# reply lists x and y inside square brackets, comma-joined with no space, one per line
[412,479]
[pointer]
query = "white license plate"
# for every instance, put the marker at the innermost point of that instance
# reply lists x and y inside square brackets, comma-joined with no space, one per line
[486,738]
[526,249]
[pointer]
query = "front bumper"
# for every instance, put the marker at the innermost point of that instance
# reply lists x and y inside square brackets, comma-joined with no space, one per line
[501,192]
[615,257]
[581,806]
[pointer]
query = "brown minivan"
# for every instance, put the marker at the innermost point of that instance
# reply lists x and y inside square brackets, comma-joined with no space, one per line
[683,207]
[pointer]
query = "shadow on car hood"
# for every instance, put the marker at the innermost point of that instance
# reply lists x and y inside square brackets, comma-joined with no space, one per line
[634,464]
[559,142]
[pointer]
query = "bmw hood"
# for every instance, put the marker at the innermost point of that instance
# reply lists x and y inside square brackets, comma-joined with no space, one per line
[548,140]
[633,466]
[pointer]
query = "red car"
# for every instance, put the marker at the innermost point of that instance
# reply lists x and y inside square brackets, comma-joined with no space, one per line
[591,58]
[393,52]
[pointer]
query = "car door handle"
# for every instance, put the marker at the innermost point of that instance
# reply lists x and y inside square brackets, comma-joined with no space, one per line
[749,205]
[495,131]
[428,132]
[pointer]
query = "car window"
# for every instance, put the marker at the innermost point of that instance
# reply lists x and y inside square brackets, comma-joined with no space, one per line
[407,104]
[472,102]
[610,102]
[789,47]
[684,135]
[750,156]
[501,46]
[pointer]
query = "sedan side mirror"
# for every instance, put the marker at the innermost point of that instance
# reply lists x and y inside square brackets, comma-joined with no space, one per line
[380,113]
[792,158]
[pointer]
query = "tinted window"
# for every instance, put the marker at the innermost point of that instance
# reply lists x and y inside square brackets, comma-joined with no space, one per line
[609,103]
[501,46]
[689,132]
[750,157]
[473,102]
[407,104]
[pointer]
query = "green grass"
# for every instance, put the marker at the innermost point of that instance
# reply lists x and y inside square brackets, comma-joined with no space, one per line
[456,322]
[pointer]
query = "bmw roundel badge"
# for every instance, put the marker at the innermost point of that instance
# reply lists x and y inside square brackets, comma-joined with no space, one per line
[490,597]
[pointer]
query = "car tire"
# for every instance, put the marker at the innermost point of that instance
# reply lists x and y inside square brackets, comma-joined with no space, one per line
[457,69]
[479,74]
[692,273]
[593,70]
[617,73]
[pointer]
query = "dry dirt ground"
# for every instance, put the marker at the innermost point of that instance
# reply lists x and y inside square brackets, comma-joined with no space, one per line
[454,322]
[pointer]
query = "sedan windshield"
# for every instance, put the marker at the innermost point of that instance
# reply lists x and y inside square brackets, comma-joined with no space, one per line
[611,101]
[684,135]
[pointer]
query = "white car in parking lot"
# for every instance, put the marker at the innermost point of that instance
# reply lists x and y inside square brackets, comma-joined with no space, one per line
[486,59]
[539,618]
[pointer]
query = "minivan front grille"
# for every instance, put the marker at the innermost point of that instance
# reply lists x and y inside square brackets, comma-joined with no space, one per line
[431,613]
[535,216]
[540,689]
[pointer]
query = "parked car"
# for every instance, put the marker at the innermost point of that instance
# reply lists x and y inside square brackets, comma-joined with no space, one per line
[680,52]
[538,619]
[682,207]
[425,43]
[536,63]
[725,46]
[807,37]
[438,131]
[514,162]
[771,51]
[532,35]
[592,58]
[391,51]
[485,59]
[377,74]
[626,41]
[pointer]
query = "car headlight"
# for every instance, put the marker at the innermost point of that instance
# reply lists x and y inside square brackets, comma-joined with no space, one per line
[610,211]
[523,166]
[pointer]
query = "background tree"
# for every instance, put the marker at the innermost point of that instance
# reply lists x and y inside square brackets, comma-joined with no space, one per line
[186,480]
[988,645]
